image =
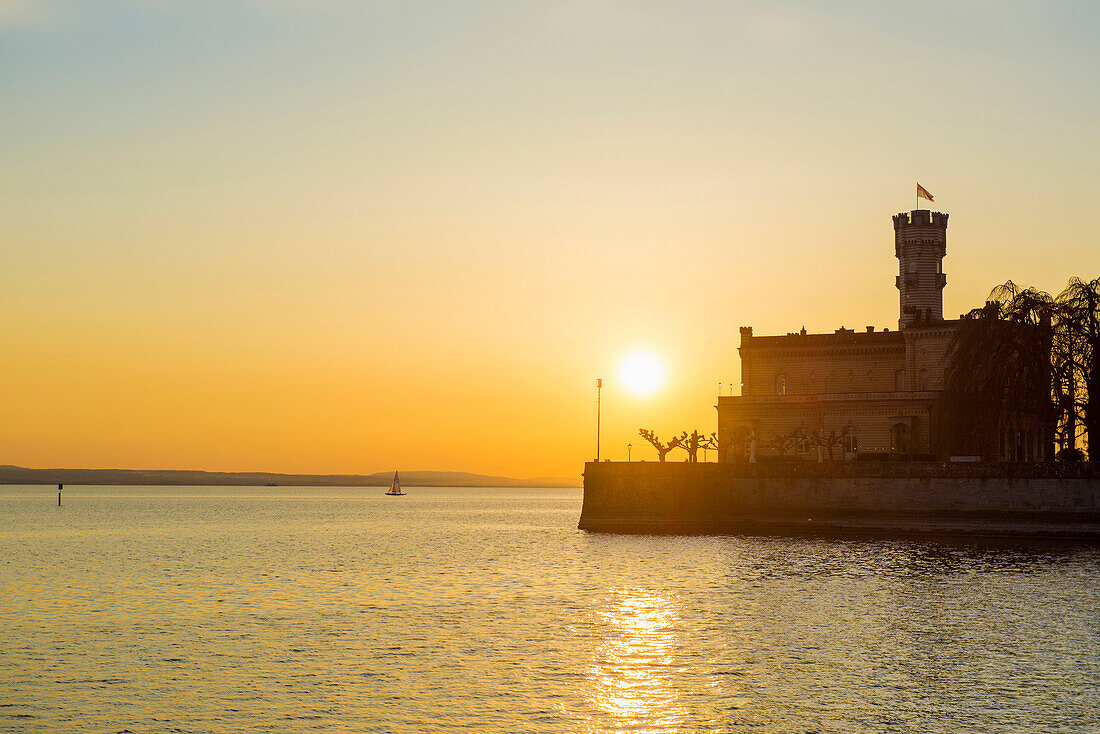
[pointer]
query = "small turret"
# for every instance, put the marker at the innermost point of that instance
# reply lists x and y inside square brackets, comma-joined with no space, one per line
[920,244]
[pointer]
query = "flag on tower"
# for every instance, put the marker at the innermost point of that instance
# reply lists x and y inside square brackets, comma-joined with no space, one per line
[923,193]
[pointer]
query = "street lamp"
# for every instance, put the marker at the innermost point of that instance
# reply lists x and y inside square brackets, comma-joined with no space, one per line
[599,387]
[628,453]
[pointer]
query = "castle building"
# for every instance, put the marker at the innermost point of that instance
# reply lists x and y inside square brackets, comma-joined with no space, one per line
[859,392]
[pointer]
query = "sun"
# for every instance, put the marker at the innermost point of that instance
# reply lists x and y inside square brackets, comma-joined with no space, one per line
[641,372]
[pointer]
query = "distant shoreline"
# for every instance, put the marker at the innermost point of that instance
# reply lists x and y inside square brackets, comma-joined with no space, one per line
[182,477]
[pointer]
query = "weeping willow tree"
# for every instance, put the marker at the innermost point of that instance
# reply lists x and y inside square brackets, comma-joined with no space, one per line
[1025,355]
[1000,369]
[1077,348]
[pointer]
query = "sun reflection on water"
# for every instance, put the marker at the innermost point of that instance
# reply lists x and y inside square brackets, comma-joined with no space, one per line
[631,676]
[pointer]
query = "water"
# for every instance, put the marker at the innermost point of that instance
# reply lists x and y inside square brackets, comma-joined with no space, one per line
[182,609]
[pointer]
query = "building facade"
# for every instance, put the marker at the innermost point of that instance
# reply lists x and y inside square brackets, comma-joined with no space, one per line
[836,396]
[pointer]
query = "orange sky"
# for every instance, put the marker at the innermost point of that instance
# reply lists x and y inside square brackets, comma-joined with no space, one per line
[316,238]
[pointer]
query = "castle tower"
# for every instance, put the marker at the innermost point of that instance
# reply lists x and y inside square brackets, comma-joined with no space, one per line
[920,242]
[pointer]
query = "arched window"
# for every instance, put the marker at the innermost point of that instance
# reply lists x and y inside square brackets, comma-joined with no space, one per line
[924,379]
[912,266]
[781,385]
[899,380]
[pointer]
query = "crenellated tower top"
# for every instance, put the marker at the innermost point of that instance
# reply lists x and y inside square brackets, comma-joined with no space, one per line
[920,244]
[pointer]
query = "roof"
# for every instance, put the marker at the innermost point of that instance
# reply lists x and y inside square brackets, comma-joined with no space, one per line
[841,337]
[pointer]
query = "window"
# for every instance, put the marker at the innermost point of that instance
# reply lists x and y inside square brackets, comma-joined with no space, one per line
[899,380]
[912,266]
[781,385]
[924,379]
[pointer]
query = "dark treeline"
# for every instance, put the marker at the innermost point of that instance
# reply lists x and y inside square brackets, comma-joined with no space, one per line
[1027,356]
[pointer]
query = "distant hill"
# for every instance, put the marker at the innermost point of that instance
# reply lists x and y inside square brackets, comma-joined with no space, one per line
[21,475]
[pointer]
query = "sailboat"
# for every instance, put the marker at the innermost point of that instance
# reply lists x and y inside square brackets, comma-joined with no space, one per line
[395,486]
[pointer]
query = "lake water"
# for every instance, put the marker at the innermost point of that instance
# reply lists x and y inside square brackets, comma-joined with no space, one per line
[200,609]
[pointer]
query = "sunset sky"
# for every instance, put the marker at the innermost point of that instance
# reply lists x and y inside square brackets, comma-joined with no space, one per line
[326,236]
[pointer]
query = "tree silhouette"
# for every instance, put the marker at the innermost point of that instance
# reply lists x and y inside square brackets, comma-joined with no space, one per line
[1000,367]
[723,447]
[1026,353]
[832,440]
[662,448]
[1077,341]
[784,442]
[691,444]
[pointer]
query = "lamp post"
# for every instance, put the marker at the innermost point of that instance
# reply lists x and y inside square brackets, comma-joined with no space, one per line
[599,388]
[628,453]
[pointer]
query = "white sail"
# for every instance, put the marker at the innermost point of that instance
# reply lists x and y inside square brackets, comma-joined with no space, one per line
[395,486]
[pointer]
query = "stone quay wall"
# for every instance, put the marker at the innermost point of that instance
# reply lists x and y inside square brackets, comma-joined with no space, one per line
[797,497]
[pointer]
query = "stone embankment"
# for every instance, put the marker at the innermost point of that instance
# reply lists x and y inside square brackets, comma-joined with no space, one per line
[884,498]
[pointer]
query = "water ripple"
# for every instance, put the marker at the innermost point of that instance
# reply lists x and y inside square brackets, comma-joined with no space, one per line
[259,610]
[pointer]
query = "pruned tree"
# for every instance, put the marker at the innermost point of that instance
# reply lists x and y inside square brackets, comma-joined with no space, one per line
[723,447]
[691,444]
[834,439]
[662,448]
[784,442]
